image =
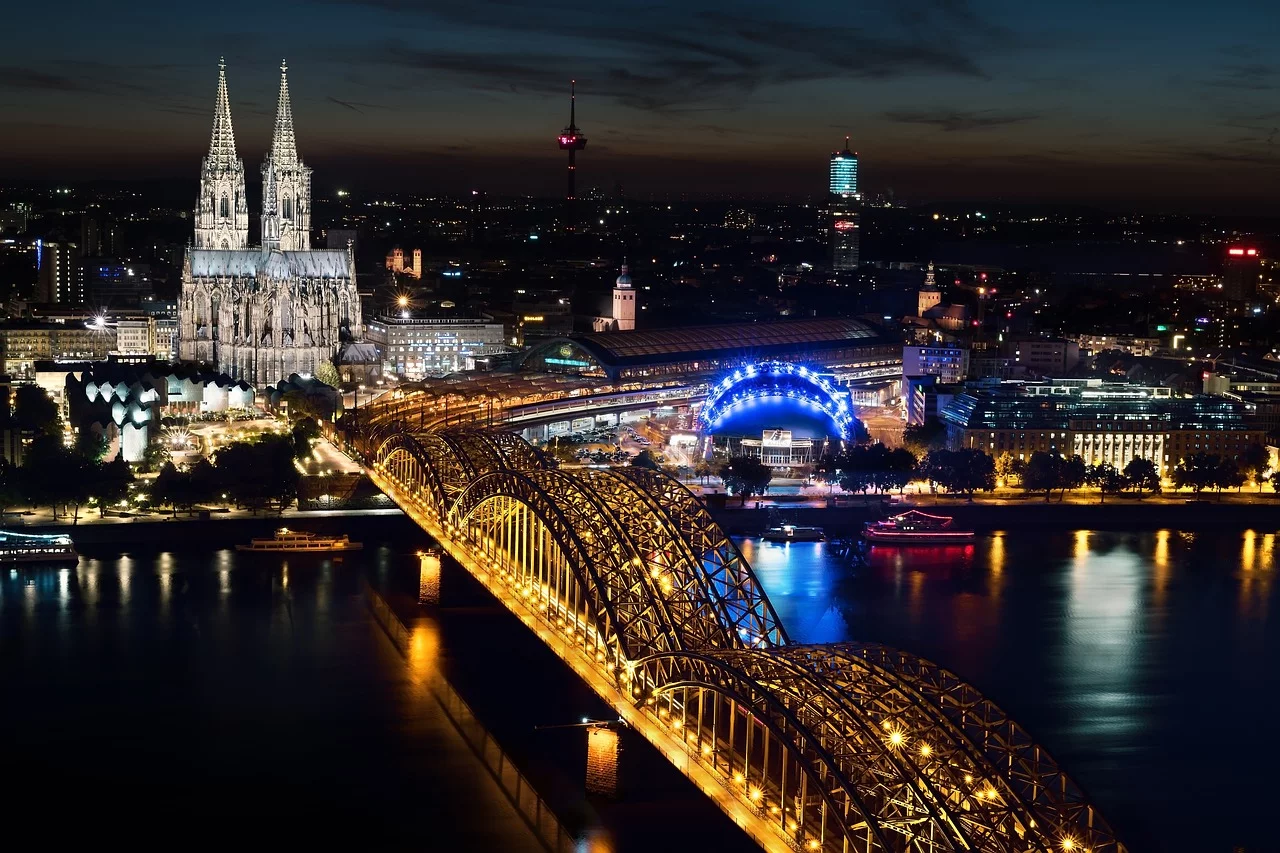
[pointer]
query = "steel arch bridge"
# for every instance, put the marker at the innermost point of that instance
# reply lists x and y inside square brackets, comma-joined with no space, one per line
[624,574]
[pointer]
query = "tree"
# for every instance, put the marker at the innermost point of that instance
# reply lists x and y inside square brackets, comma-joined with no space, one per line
[34,411]
[746,476]
[921,438]
[1072,474]
[10,484]
[1275,481]
[1254,462]
[1228,476]
[110,482]
[154,457]
[1196,472]
[702,470]
[1007,468]
[1106,479]
[645,459]
[328,374]
[305,431]
[900,468]
[260,473]
[960,471]
[1141,475]
[1041,473]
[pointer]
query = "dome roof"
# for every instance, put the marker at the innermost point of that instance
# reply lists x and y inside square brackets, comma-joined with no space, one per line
[624,280]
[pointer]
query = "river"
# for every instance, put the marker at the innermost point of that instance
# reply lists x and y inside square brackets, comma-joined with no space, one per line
[188,693]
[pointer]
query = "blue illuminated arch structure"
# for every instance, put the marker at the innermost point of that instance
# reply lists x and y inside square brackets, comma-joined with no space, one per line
[778,380]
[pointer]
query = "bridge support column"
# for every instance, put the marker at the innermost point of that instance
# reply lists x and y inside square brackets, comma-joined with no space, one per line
[429,576]
[602,760]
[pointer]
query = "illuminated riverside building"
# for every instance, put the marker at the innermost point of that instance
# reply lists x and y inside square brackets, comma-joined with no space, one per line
[849,349]
[846,221]
[1102,422]
[415,346]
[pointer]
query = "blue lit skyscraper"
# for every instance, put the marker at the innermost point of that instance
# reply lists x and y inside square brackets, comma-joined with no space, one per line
[844,172]
[846,221]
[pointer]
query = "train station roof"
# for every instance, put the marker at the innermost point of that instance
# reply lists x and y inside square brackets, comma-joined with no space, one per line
[615,353]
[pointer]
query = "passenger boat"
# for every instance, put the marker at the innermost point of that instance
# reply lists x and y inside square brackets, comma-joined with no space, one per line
[794,533]
[915,528]
[297,541]
[36,548]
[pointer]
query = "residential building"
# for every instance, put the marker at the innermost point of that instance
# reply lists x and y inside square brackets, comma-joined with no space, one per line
[59,280]
[950,363]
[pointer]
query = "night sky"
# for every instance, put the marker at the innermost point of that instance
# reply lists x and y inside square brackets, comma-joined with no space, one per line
[1157,103]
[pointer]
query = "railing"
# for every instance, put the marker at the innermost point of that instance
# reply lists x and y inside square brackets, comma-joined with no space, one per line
[533,810]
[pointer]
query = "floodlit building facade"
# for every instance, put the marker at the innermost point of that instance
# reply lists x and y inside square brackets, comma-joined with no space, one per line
[261,314]
[1102,422]
[415,347]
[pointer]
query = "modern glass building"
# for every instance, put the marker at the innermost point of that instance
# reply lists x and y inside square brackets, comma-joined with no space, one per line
[844,173]
[1104,422]
[846,221]
[414,346]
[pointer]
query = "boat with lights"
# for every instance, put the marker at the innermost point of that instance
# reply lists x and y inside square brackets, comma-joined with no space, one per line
[36,548]
[915,528]
[794,533]
[300,542]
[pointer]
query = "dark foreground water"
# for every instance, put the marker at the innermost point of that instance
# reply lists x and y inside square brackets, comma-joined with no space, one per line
[186,695]
[1148,664]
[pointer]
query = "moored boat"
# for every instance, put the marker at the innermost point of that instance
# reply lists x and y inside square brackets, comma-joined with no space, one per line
[36,548]
[916,528]
[794,533]
[298,541]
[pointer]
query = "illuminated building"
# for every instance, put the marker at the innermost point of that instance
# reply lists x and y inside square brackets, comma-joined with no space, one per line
[136,337]
[416,346]
[1241,270]
[395,262]
[60,281]
[846,220]
[23,343]
[262,314]
[1044,357]
[571,140]
[949,363]
[1102,422]
[929,294]
[624,302]
[845,347]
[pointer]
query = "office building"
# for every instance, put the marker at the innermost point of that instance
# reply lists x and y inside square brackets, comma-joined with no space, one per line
[111,283]
[1044,357]
[415,346]
[845,232]
[136,337]
[949,363]
[1241,271]
[59,280]
[1102,422]
[23,343]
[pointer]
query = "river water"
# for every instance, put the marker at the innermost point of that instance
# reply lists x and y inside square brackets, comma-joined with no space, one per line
[187,694]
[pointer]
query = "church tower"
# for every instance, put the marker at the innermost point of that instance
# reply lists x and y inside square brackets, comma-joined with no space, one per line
[624,302]
[286,184]
[222,210]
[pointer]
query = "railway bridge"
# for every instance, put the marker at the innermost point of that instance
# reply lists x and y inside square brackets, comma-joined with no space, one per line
[624,574]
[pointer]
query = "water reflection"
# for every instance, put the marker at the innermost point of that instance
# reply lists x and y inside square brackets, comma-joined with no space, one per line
[1112,648]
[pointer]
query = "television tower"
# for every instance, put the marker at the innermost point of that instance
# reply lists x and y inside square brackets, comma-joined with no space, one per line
[571,140]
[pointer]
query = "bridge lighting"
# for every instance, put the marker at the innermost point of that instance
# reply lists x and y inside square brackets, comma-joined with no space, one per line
[738,778]
[926,750]
[755,794]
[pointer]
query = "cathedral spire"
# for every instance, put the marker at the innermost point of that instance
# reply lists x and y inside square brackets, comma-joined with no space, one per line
[284,149]
[222,210]
[222,144]
[286,183]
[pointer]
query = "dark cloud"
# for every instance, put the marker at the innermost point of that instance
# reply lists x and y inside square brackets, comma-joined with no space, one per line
[1252,76]
[27,78]
[959,120]
[355,106]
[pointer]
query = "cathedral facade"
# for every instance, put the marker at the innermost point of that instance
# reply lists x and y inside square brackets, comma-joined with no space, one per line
[261,314]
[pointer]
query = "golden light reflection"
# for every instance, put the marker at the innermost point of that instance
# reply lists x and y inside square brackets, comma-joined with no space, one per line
[1160,559]
[424,650]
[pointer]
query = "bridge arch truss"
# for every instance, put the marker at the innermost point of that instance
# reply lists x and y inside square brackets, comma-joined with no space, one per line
[846,747]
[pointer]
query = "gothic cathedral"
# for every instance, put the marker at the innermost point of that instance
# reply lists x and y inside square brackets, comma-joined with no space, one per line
[261,314]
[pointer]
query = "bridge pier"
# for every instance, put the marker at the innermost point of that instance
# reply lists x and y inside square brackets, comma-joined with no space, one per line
[602,759]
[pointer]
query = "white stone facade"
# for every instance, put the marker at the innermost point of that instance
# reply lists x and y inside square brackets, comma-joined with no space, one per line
[260,314]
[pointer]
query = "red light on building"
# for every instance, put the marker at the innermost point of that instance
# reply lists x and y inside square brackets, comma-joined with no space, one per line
[1251,252]
[1236,251]
[845,225]
[982,276]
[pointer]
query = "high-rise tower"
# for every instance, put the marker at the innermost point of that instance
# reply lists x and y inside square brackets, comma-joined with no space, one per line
[286,183]
[846,220]
[222,210]
[571,140]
